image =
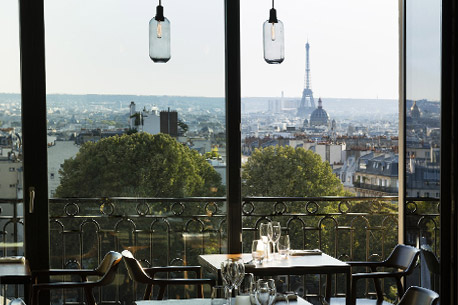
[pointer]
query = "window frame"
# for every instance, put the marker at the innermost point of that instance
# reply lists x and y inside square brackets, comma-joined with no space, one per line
[33,92]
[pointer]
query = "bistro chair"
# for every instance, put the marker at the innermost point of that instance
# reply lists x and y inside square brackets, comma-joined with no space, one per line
[146,276]
[105,271]
[419,296]
[402,261]
[430,268]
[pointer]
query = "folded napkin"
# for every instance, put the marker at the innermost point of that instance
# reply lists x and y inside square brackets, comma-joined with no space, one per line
[12,259]
[305,252]
[285,297]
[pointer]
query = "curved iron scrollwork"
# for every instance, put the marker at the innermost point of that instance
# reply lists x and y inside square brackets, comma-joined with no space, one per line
[163,231]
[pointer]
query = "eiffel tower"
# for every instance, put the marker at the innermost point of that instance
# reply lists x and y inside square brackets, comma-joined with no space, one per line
[307,102]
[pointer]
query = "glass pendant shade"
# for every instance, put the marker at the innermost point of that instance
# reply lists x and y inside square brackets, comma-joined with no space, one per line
[159,39]
[274,40]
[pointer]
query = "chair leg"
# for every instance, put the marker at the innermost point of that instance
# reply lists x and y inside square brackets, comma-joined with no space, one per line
[148,290]
[90,300]
[200,291]
[378,289]
[400,288]
[161,293]
[35,296]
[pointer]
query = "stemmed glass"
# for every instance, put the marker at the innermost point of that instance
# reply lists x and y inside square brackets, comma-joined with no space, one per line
[232,272]
[266,232]
[276,233]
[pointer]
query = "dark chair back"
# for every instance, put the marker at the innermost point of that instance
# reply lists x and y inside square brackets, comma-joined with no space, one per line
[419,296]
[403,257]
[134,268]
[431,260]
[108,267]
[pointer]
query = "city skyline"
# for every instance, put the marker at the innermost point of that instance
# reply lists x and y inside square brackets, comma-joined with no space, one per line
[107,53]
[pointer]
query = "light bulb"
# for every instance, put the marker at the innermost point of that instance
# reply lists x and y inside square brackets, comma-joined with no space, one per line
[159,29]
[272,30]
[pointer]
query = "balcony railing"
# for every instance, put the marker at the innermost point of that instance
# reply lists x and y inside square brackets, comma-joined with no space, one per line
[174,231]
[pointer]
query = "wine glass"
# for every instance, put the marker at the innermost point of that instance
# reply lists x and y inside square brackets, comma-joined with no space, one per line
[265,292]
[266,232]
[276,233]
[240,271]
[232,272]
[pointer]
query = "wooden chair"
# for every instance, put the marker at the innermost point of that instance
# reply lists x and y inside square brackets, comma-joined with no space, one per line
[402,260]
[419,296]
[146,276]
[106,271]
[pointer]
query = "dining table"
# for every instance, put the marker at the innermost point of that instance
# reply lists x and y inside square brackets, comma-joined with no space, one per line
[297,301]
[15,270]
[309,263]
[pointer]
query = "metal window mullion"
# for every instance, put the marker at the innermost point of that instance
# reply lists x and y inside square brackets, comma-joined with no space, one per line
[233,121]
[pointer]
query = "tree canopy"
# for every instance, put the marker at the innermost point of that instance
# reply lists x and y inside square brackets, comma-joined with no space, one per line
[290,172]
[138,164]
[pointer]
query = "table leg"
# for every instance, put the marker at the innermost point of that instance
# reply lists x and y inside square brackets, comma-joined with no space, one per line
[27,290]
[219,278]
[348,297]
[328,291]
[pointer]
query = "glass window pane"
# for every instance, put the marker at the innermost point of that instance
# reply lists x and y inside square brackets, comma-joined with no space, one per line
[121,125]
[423,108]
[10,131]
[321,126]
[11,166]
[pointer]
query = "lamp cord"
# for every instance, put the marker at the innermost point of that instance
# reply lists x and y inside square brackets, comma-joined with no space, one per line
[272,3]
[160,2]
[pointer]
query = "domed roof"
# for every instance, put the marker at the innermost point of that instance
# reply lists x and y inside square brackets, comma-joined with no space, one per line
[319,116]
[415,111]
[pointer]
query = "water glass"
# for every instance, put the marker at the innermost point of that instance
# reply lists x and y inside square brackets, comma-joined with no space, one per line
[219,295]
[284,246]
[246,291]
[258,251]
[247,285]
[265,292]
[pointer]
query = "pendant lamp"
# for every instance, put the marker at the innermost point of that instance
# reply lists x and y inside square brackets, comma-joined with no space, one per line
[274,39]
[159,36]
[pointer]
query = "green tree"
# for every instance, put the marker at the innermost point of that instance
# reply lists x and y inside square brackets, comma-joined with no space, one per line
[138,164]
[290,172]
[213,154]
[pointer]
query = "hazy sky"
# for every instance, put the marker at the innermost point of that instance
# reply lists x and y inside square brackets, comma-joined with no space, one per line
[101,46]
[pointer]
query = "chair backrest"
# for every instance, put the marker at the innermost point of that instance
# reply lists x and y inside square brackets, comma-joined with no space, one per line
[403,257]
[419,296]
[107,268]
[431,260]
[134,268]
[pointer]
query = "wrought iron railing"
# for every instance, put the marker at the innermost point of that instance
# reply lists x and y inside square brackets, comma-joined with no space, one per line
[173,231]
